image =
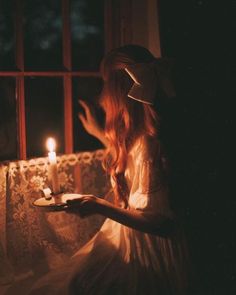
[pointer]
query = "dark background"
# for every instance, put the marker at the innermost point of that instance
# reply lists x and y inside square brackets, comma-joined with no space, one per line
[197,34]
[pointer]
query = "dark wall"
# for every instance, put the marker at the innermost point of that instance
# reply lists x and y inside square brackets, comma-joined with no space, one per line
[197,35]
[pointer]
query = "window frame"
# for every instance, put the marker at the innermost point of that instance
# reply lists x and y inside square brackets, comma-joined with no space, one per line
[117,31]
[67,74]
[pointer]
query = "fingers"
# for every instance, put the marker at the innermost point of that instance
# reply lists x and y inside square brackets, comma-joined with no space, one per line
[87,109]
[80,201]
[86,124]
[78,207]
[73,206]
[82,119]
[74,202]
[83,104]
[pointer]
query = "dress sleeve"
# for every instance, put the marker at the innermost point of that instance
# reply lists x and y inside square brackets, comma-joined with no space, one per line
[149,190]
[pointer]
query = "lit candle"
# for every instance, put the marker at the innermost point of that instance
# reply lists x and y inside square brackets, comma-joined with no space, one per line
[53,176]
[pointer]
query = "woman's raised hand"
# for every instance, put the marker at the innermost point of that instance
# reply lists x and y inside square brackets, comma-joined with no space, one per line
[90,123]
[88,120]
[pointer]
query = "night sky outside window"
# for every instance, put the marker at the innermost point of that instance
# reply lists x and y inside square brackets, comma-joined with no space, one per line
[49,45]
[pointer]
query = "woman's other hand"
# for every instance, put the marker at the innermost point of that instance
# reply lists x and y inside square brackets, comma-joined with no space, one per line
[90,123]
[89,120]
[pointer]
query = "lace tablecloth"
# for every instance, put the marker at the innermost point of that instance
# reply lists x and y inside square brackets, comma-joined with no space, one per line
[31,239]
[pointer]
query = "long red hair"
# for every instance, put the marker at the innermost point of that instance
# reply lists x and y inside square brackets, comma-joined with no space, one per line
[126,119]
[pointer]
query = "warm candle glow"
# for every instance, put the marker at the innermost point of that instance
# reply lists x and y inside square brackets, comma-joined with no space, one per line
[52,157]
[51,144]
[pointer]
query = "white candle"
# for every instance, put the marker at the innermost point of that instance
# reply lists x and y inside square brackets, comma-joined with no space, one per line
[52,172]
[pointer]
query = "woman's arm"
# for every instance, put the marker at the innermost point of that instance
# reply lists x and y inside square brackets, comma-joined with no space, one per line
[142,221]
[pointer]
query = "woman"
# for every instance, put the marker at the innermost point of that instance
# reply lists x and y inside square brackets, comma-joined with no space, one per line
[139,249]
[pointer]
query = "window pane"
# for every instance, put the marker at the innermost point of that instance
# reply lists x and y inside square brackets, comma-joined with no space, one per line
[43,34]
[87,28]
[87,89]
[44,114]
[7,40]
[8,129]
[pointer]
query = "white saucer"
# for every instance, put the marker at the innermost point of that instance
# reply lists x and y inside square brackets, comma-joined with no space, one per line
[56,202]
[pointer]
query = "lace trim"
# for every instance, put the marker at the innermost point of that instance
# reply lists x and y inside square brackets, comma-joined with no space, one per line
[64,160]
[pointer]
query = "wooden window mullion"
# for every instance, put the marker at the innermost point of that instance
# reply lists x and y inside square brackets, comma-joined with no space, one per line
[20,93]
[68,120]
[21,126]
[49,74]
[68,116]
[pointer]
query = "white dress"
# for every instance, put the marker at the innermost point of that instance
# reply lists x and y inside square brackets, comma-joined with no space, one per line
[119,260]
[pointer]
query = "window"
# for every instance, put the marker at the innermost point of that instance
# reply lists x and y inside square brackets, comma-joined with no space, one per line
[50,52]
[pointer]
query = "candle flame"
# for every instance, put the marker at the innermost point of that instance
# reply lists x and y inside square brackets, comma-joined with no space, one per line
[51,144]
